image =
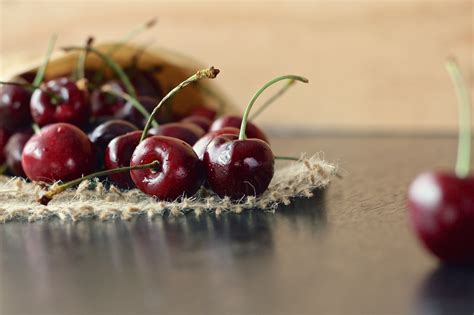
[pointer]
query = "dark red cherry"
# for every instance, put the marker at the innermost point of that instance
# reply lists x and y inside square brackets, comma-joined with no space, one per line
[238,168]
[201,121]
[204,112]
[60,100]
[4,135]
[106,104]
[200,146]
[252,131]
[14,107]
[180,173]
[60,151]
[118,154]
[105,132]
[13,151]
[441,208]
[189,133]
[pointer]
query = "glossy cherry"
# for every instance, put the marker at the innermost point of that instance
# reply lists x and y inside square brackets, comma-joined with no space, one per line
[118,154]
[201,121]
[106,104]
[13,151]
[441,205]
[189,133]
[60,151]
[180,173]
[60,100]
[237,166]
[105,132]
[200,146]
[252,130]
[442,214]
[14,107]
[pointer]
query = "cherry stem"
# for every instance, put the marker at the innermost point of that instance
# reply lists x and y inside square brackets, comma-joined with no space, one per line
[245,118]
[274,97]
[135,103]
[30,87]
[464,112]
[112,64]
[209,73]
[36,128]
[81,60]
[51,192]
[42,70]
[286,158]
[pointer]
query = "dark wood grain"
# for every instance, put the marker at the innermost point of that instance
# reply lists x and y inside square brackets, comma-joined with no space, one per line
[347,251]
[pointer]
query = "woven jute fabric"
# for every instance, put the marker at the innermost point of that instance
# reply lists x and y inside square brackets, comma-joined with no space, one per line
[93,200]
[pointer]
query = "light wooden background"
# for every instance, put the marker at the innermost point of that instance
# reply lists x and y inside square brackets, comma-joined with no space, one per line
[373,65]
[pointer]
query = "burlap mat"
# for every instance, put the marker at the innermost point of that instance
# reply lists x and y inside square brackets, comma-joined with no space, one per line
[92,199]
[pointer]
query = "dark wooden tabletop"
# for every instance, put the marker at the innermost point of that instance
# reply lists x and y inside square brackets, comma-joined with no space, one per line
[348,250]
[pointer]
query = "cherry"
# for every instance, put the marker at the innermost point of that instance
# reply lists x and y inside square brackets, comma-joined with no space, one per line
[440,204]
[13,151]
[3,141]
[14,107]
[442,213]
[236,166]
[189,133]
[59,151]
[105,104]
[105,132]
[60,100]
[200,146]
[235,121]
[180,173]
[118,154]
[201,121]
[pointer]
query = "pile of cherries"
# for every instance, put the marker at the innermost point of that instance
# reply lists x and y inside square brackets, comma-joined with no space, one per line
[122,128]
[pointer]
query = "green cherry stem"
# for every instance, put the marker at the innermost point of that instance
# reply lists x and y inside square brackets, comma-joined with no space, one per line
[245,118]
[135,103]
[286,158]
[42,70]
[464,105]
[274,97]
[36,128]
[47,196]
[112,64]
[81,60]
[209,73]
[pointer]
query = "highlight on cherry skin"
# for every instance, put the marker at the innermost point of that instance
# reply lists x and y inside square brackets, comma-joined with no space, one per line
[440,203]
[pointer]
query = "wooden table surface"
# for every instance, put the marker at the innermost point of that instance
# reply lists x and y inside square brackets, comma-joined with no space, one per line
[347,251]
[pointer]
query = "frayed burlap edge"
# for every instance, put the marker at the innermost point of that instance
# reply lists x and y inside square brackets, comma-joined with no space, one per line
[93,200]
